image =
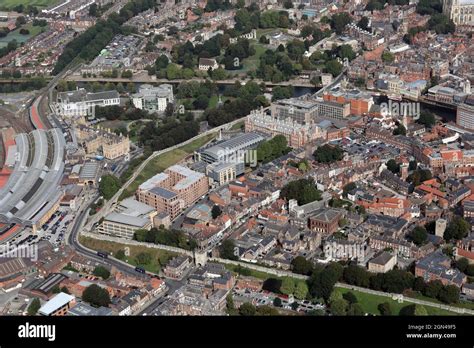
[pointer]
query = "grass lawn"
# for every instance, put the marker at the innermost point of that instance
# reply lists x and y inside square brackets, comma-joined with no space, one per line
[15,35]
[369,303]
[114,124]
[252,62]
[259,274]
[38,3]
[237,126]
[159,258]
[215,99]
[160,163]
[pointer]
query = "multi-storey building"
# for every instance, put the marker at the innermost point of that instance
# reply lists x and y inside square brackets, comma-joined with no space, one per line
[301,111]
[128,217]
[325,221]
[99,140]
[465,114]
[437,266]
[175,189]
[360,103]
[153,99]
[232,150]
[295,133]
[460,11]
[333,110]
[80,103]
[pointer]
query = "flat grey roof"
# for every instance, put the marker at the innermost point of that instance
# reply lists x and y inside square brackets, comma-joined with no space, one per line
[163,192]
[134,221]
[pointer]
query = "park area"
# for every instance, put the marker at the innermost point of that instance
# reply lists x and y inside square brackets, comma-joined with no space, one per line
[21,38]
[368,302]
[41,4]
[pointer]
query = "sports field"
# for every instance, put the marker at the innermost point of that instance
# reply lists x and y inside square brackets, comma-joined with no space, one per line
[41,4]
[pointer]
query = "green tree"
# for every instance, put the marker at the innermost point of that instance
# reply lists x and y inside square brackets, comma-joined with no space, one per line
[301,266]
[393,166]
[266,311]
[143,258]
[449,294]
[34,306]
[426,118]
[301,290]
[388,57]
[384,309]
[96,296]
[400,130]
[287,286]
[277,302]
[397,281]
[328,154]
[419,235]
[356,275]
[321,284]
[339,21]
[230,306]
[350,297]
[433,288]
[303,190]
[247,309]
[228,250]
[102,272]
[120,254]
[109,186]
[347,188]
[333,67]
[457,228]
[355,309]
[462,264]
[338,307]
[419,284]
[216,211]
[363,23]
[413,310]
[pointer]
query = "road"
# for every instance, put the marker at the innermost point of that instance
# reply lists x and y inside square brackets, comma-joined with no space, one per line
[74,243]
[172,285]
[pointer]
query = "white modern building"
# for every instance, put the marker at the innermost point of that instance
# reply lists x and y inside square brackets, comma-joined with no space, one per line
[80,103]
[152,98]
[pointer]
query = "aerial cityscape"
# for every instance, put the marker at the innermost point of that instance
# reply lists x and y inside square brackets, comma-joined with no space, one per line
[236,158]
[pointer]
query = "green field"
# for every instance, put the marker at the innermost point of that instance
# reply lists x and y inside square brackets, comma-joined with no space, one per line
[159,258]
[252,62]
[160,163]
[15,35]
[38,3]
[369,303]
[238,125]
